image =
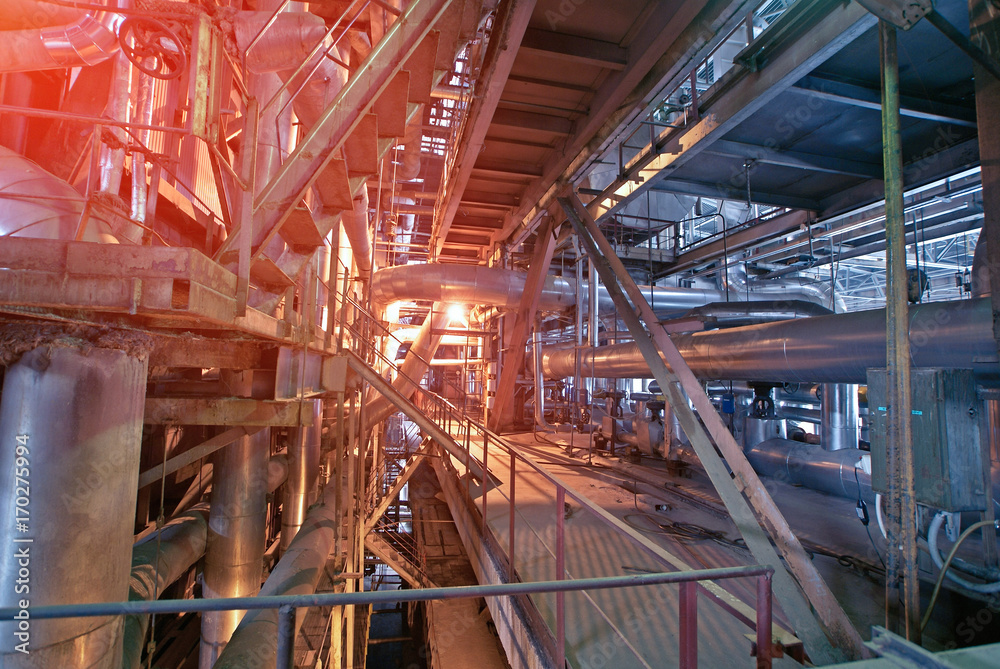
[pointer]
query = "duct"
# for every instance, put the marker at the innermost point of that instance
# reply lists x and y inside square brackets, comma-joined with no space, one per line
[254,645]
[735,314]
[412,370]
[89,39]
[493,286]
[839,411]
[289,38]
[71,425]
[355,225]
[303,474]
[158,561]
[784,289]
[33,203]
[832,472]
[539,382]
[236,527]
[408,167]
[838,348]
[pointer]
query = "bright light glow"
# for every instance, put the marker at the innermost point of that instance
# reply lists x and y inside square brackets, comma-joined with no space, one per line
[392,313]
[456,312]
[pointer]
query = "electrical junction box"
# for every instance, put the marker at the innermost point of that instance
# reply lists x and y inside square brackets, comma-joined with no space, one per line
[947,460]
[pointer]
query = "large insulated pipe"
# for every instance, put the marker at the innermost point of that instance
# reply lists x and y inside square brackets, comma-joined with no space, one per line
[812,467]
[355,223]
[839,412]
[158,561]
[254,645]
[421,352]
[71,429]
[494,286]
[83,39]
[303,474]
[834,349]
[236,526]
[34,203]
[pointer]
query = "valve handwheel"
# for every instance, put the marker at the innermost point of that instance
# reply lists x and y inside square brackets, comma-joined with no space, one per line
[152,47]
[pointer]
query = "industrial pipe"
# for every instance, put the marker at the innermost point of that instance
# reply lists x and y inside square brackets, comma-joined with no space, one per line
[494,286]
[838,348]
[303,474]
[298,572]
[87,39]
[839,413]
[71,426]
[34,203]
[812,467]
[158,561]
[236,526]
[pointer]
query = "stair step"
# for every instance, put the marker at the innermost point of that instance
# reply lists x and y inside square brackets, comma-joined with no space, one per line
[453,25]
[335,188]
[420,65]
[391,106]
[267,275]
[361,148]
[301,231]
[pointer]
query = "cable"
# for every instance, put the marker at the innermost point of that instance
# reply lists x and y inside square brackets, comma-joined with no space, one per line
[932,535]
[862,509]
[947,563]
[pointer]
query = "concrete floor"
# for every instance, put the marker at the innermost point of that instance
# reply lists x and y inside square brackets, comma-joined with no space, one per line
[621,628]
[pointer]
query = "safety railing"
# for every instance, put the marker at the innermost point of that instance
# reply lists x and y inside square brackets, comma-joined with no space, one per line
[286,605]
[492,447]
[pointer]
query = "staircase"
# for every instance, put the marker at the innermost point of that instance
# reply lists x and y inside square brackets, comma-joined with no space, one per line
[400,551]
[344,147]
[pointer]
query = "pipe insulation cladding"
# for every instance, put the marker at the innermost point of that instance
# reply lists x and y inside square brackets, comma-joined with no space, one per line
[493,286]
[832,349]
[70,429]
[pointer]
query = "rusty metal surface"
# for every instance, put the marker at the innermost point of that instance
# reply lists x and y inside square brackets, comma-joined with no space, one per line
[226,411]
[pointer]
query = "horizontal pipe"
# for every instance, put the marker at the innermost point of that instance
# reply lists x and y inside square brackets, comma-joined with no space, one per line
[157,562]
[329,599]
[88,40]
[493,286]
[812,467]
[838,348]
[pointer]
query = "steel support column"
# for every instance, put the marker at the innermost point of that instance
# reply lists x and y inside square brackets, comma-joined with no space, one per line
[71,428]
[731,488]
[984,32]
[901,526]
[503,407]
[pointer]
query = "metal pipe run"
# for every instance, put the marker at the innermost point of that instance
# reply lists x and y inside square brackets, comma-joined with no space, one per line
[87,39]
[297,573]
[834,349]
[236,527]
[158,561]
[71,428]
[303,474]
[813,467]
[494,286]
[839,412]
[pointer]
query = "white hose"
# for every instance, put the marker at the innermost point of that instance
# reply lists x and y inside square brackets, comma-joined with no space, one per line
[932,535]
[878,515]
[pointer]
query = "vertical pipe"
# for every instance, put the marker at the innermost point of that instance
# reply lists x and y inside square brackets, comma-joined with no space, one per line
[689,625]
[511,517]
[236,527]
[839,412]
[902,525]
[303,473]
[70,431]
[764,621]
[560,575]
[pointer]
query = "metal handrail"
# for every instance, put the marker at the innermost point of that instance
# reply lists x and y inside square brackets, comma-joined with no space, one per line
[287,604]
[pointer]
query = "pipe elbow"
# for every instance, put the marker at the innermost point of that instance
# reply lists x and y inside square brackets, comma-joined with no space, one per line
[88,41]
